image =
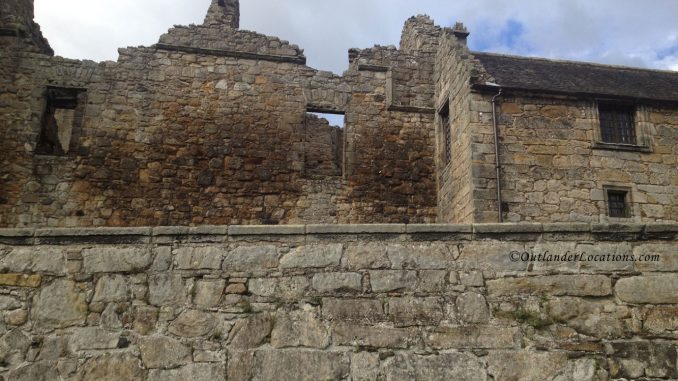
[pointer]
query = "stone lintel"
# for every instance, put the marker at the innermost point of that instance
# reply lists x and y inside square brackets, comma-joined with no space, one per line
[301,60]
[412,109]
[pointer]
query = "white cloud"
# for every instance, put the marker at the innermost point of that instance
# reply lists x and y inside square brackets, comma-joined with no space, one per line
[610,31]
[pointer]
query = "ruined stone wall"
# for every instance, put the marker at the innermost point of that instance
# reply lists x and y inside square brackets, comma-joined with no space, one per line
[553,169]
[16,21]
[455,179]
[338,302]
[167,137]
[390,134]
[206,127]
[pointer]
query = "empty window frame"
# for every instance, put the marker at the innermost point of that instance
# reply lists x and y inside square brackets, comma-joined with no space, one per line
[60,121]
[617,123]
[618,202]
[446,128]
[324,144]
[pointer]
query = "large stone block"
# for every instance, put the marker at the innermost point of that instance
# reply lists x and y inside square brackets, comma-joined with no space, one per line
[92,338]
[34,259]
[337,282]
[525,365]
[287,288]
[166,289]
[374,336]
[208,292]
[288,365]
[364,366]
[163,352]
[410,310]
[251,332]
[192,372]
[8,303]
[442,367]
[393,280]
[299,328]
[473,337]
[661,319]
[111,288]
[602,319]
[20,280]
[111,367]
[198,258]
[472,308]
[145,319]
[105,259]
[667,253]
[432,281]
[636,359]
[316,256]
[193,323]
[60,304]
[491,255]
[576,285]
[353,310]
[660,289]
[367,256]
[419,256]
[617,256]
[251,259]
[38,371]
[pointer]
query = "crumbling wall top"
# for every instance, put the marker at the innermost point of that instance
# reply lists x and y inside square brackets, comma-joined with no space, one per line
[420,34]
[224,12]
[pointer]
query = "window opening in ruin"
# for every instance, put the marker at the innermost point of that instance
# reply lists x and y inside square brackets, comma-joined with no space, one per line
[59,121]
[617,123]
[618,203]
[324,144]
[444,114]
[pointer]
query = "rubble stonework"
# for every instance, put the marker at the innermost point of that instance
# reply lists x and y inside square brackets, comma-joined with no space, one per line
[210,126]
[338,302]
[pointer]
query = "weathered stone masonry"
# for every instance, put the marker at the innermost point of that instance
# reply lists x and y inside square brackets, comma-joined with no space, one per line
[210,126]
[554,164]
[337,302]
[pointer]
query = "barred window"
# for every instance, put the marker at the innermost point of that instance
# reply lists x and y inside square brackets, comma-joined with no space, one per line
[617,203]
[617,124]
[447,133]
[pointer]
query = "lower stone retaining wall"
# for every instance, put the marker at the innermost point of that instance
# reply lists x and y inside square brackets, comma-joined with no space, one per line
[339,302]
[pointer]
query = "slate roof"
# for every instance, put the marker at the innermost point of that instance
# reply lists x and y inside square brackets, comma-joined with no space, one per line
[579,77]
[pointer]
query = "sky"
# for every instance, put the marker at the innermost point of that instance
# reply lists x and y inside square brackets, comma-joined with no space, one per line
[622,32]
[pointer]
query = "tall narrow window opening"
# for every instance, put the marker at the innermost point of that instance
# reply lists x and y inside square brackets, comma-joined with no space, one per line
[444,114]
[59,121]
[324,144]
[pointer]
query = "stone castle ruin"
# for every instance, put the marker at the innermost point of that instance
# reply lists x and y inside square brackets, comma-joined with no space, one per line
[183,214]
[212,125]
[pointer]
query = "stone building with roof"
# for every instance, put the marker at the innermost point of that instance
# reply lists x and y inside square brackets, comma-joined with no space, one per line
[212,125]
[176,146]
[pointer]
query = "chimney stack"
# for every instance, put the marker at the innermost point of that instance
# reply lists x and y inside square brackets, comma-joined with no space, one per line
[224,12]
[460,31]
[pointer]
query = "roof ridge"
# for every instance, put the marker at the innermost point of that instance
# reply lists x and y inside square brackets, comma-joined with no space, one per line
[564,61]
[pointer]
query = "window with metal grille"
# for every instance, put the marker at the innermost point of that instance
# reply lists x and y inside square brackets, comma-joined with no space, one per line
[617,124]
[447,133]
[617,203]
